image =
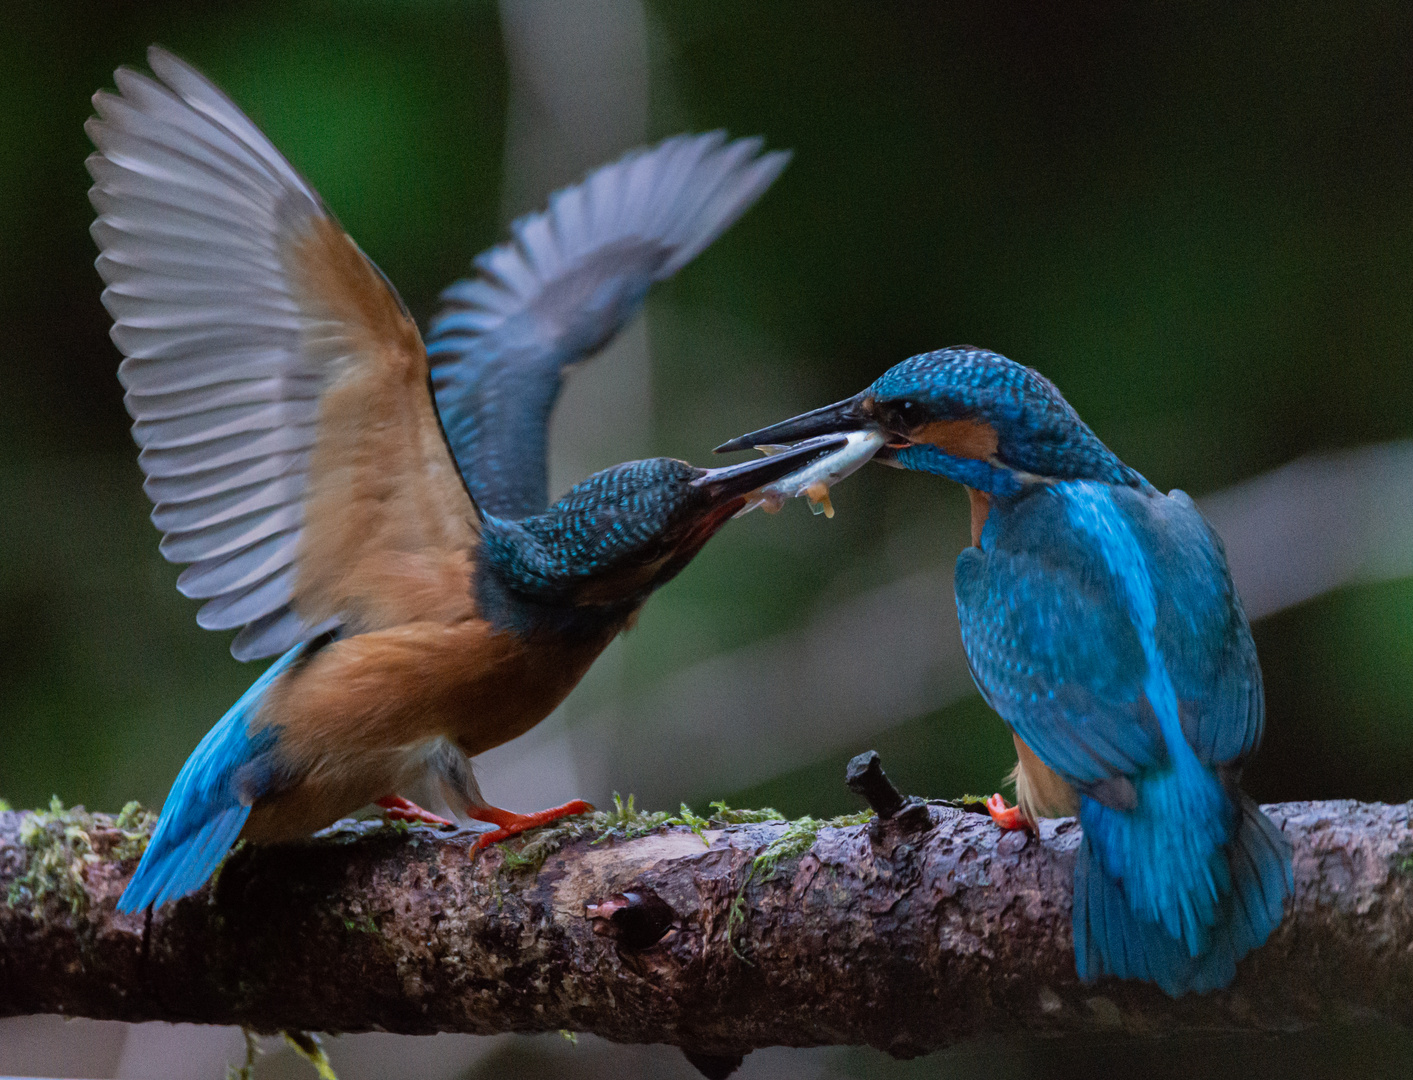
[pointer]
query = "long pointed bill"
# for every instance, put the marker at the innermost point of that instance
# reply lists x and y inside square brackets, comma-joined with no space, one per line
[736,481]
[842,416]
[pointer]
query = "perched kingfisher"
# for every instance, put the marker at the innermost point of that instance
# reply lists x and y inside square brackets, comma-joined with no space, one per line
[1100,620]
[376,520]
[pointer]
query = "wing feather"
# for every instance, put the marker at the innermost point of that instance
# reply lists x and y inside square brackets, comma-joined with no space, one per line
[277,386]
[568,280]
[1055,650]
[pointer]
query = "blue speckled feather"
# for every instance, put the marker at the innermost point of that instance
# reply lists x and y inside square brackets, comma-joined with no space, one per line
[569,281]
[1101,623]
[627,507]
[206,808]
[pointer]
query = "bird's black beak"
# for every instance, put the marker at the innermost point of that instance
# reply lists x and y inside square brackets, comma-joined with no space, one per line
[841,417]
[736,481]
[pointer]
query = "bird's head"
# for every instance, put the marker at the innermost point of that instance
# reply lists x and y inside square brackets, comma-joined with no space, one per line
[968,414]
[596,555]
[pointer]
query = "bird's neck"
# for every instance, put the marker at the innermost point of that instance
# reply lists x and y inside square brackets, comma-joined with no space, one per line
[980,510]
[508,605]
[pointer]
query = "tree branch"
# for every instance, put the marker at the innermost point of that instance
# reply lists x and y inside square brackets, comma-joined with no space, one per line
[905,934]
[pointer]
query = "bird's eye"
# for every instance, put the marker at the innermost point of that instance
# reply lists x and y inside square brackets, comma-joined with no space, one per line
[909,413]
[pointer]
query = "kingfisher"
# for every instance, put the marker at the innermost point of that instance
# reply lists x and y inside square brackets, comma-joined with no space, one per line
[1099,619]
[370,510]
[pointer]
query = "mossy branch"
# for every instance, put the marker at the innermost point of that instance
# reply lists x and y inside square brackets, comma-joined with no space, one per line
[718,933]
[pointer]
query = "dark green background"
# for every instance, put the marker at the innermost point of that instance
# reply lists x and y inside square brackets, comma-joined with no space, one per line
[1197,219]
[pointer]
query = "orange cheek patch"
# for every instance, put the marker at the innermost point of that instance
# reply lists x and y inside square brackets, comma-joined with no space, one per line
[960,438]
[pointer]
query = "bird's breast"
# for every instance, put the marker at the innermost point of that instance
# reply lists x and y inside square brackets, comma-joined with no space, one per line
[980,509]
[358,705]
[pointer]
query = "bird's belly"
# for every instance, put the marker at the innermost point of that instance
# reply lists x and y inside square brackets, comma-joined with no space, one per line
[337,785]
[521,692]
[1040,791]
[356,722]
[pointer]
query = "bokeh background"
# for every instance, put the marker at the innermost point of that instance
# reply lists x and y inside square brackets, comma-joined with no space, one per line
[1197,219]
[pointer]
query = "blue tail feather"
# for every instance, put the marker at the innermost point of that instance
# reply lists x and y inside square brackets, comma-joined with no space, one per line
[204,812]
[1112,938]
[1169,850]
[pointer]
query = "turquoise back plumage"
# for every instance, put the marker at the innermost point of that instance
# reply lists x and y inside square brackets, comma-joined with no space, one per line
[1101,623]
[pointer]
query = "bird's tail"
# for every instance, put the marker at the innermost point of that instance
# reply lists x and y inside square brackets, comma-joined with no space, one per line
[206,807]
[1117,933]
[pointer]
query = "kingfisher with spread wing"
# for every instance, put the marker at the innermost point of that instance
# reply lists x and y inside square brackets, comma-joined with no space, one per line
[377,520]
[1100,621]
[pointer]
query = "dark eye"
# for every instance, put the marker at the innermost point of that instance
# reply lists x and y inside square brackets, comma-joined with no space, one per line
[909,413]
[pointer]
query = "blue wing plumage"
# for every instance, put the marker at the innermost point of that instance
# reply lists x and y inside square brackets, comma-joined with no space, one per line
[1049,645]
[1055,651]
[1202,631]
[566,283]
[206,809]
[1101,623]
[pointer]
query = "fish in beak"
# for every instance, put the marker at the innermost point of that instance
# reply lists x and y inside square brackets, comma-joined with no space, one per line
[862,439]
[749,478]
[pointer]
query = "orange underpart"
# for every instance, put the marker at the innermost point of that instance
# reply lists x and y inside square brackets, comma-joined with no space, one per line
[400,809]
[1007,817]
[513,824]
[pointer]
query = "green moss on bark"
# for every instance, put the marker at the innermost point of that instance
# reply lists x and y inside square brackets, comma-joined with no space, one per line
[60,844]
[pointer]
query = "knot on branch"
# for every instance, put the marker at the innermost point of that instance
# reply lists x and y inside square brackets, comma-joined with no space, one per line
[637,919]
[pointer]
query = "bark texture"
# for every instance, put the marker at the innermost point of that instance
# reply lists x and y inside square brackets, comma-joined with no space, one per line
[905,934]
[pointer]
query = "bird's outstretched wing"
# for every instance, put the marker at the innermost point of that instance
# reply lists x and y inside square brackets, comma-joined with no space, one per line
[569,280]
[278,387]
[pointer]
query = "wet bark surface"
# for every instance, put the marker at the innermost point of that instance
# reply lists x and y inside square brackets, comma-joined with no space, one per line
[906,935]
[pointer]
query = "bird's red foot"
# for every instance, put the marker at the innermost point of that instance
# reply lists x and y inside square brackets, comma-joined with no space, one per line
[400,809]
[513,824]
[1007,817]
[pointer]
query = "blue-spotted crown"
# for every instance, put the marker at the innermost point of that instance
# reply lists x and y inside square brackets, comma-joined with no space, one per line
[1037,430]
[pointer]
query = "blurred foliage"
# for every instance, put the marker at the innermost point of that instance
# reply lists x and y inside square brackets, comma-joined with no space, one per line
[1195,218]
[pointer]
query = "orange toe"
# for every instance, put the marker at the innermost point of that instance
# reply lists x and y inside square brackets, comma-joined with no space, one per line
[513,824]
[400,809]
[1007,817]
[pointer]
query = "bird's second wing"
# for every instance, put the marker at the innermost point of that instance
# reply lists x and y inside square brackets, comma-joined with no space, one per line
[568,281]
[277,385]
[1202,630]
[1053,648]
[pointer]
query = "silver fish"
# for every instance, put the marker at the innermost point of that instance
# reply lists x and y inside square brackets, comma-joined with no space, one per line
[815,479]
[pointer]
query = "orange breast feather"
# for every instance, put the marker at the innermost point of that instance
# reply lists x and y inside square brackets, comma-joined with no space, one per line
[356,719]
